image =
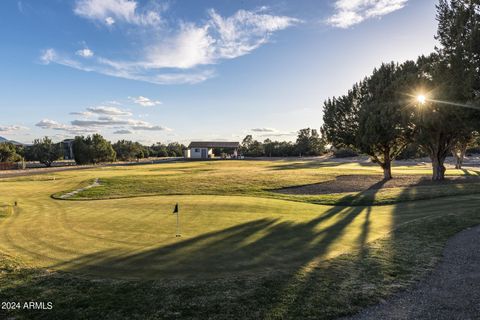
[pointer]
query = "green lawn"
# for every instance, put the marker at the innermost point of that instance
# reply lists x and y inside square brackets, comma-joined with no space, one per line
[261,178]
[244,252]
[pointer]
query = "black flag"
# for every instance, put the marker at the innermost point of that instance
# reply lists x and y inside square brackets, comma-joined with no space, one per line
[176,209]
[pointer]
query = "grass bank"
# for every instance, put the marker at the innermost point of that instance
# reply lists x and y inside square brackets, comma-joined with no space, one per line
[262,178]
[386,196]
[321,289]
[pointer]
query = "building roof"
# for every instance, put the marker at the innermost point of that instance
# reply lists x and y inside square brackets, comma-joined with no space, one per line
[213,144]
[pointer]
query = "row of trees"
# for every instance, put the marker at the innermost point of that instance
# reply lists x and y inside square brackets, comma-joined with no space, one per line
[432,102]
[308,143]
[96,149]
[42,150]
[87,150]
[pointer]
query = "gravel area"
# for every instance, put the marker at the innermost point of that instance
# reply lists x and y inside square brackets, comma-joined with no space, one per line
[452,291]
[358,183]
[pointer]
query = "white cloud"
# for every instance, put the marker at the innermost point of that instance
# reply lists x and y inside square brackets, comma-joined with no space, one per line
[351,12]
[279,134]
[144,101]
[111,121]
[111,111]
[12,128]
[85,53]
[123,131]
[263,130]
[111,11]
[109,21]
[83,114]
[50,55]
[218,39]
[149,127]
[50,124]
[101,122]
[178,54]
[243,32]
[54,125]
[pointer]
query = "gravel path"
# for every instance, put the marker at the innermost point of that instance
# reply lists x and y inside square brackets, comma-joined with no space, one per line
[71,194]
[358,183]
[452,291]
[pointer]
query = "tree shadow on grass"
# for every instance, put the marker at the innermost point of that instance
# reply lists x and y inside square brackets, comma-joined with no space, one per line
[415,245]
[260,246]
[306,164]
[471,172]
[265,268]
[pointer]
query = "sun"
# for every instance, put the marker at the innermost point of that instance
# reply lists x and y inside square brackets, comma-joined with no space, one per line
[421,99]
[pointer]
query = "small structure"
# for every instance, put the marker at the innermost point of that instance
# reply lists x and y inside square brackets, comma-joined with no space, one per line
[205,149]
[67,146]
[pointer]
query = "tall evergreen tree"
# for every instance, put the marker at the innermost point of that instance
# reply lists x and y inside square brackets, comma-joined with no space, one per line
[383,130]
[451,78]
[370,118]
[309,143]
[341,117]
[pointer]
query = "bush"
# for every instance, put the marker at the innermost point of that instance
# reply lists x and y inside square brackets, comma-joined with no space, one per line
[473,150]
[344,153]
[412,151]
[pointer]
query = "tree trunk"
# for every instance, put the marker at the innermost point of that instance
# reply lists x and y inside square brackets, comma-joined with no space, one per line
[459,155]
[387,166]
[438,168]
[387,172]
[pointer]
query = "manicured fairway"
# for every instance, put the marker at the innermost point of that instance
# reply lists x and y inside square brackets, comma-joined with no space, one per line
[246,252]
[221,235]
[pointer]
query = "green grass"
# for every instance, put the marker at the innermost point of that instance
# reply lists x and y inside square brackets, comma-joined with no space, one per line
[331,288]
[260,179]
[387,195]
[242,253]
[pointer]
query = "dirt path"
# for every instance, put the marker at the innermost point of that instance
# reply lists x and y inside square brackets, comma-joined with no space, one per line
[358,183]
[452,291]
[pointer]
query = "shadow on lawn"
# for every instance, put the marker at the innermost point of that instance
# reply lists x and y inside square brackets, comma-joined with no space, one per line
[262,245]
[306,164]
[275,255]
[471,172]
[291,278]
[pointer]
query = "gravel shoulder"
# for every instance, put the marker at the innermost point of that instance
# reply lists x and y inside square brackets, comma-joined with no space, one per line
[452,291]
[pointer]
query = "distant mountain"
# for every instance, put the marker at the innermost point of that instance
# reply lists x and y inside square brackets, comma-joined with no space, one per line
[2,139]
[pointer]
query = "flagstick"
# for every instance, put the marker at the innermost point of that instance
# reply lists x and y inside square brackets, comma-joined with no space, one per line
[178,226]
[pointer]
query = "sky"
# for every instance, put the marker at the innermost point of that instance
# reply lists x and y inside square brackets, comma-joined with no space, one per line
[181,70]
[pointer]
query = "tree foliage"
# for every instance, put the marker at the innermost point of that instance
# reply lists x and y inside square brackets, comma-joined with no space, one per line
[375,119]
[371,117]
[45,151]
[452,79]
[308,143]
[341,117]
[8,153]
[129,150]
[93,149]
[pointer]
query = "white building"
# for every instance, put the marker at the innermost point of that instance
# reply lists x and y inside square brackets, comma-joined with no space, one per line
[204,149]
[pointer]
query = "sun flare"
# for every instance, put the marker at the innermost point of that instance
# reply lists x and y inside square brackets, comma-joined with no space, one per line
[421,99]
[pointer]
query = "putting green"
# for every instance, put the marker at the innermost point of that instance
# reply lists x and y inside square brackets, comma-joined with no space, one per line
[221,235]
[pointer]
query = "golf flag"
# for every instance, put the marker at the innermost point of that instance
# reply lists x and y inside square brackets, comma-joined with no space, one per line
[175,210]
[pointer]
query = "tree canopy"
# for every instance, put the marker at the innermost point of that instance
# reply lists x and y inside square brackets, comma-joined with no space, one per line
[45,151]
